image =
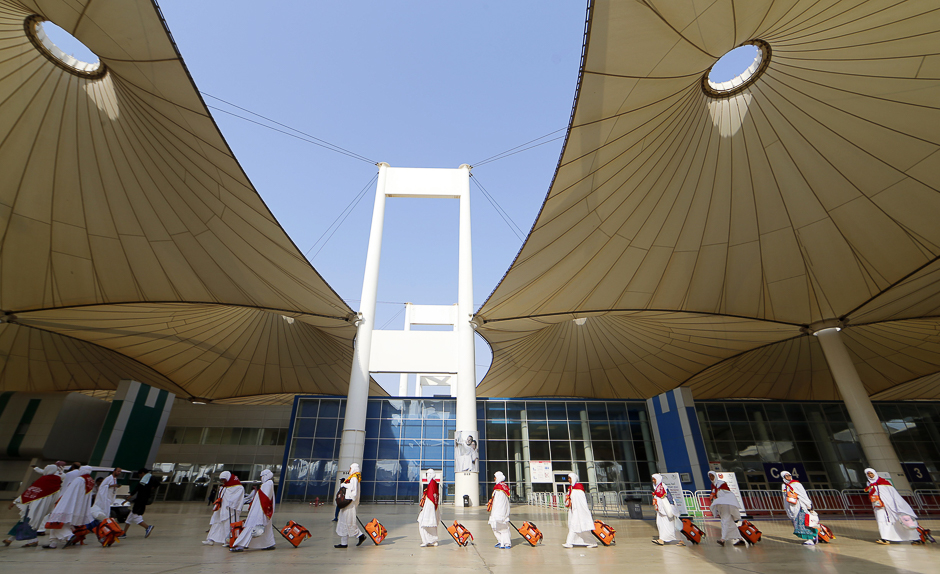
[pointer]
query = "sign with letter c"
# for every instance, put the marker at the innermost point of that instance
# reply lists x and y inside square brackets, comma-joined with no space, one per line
[772,471]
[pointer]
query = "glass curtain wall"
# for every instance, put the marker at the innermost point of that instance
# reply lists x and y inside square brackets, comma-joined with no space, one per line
[743,435]
[608,443]
[402,438]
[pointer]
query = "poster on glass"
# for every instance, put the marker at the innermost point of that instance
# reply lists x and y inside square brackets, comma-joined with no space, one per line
[466,452]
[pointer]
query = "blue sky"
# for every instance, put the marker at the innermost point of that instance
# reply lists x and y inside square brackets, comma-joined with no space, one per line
[414,84]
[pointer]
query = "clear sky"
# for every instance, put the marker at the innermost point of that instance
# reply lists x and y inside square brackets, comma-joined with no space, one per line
[414,84]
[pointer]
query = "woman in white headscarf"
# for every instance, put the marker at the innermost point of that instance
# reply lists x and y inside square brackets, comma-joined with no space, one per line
[499,512]
[798,505]
[896,519]
[105,496]
[430,515]
[347,524]
[665,513]
[34,504]
[580,522]
[258,532]
[725,506]
[73,508]
[227,509]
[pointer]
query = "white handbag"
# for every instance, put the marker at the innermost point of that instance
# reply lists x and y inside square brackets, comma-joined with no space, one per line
[812,519]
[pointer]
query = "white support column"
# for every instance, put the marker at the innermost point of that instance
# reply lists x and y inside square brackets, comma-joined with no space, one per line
[466,483]
[872,436]
[352,442]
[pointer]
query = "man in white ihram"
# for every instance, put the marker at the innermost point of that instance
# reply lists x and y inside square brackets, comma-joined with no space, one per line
[346,525]
[580,521]
[258,532]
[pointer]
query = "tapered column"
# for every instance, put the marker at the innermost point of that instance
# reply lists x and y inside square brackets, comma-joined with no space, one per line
[352,442]
[871,435]
[466,483]
[588,452]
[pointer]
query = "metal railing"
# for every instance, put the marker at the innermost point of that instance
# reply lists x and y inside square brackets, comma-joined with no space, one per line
[857,501]
[756,502]
[826,500]
[928,500]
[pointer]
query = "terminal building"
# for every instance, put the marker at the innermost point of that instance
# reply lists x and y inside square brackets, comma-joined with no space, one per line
[741,275]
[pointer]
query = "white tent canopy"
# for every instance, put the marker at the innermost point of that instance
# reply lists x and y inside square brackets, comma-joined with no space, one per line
[133,244]
[694,239]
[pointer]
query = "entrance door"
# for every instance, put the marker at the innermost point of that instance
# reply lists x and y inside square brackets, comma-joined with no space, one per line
[561,484]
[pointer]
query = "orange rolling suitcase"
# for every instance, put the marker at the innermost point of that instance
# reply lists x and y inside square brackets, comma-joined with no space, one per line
[604,532]
[825,533]
[375,530]
[529,531]
[459,533]
[691,531]
[295,533]
[108,532]
[749,532]
[235,529]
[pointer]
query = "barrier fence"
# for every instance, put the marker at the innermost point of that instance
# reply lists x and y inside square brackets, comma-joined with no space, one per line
[756,502]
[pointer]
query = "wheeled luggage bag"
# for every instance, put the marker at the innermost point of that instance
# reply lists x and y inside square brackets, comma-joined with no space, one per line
[691,531]
[108,532]
[295,533]
[825,533]
[749,532]
[459,533]
[375,530]
[529,531]
[604,532]
[235,529]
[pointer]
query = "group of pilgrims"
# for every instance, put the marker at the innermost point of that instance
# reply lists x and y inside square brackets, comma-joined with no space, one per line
[65,499]
[897,522]
[62,500]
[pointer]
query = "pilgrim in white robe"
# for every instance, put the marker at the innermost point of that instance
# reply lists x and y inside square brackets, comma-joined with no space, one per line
[34,505]
[346,524]
[430,515]
[260,514]
[229,510]
[107,491]
[724,505]
[499,514]
[665,513]
[74,506]
[889,508]
[798,504]
[580,521]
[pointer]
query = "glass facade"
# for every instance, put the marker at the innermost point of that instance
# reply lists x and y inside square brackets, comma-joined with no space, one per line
[608,443]
[743,435]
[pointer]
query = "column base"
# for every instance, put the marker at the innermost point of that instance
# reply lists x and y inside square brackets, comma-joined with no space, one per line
[467,483]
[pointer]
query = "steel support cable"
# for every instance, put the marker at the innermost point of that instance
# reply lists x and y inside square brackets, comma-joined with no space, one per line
[306,137]
[515,150]
[400,311]
[502,212]
[344,215]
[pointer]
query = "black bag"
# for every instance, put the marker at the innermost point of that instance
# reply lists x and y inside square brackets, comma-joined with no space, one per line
[341,500]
